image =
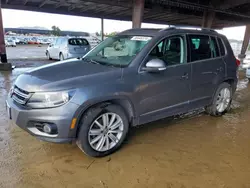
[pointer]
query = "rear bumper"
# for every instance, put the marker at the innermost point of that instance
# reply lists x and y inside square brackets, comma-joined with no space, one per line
[60,116]
[70,55]
[248,73]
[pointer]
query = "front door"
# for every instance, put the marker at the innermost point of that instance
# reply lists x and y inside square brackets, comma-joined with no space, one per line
[208,68]
[167,92]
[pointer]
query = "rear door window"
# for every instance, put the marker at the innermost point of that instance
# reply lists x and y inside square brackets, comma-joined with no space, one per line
[221,46]
[78,42]
[214,47]
[200,48]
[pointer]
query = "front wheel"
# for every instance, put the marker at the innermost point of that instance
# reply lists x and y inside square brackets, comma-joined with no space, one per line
[48,55]
[102,130]
[221,101]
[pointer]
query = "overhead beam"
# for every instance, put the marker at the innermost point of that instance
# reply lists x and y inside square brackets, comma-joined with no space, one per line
[25,2]
[232,3]
[43,3]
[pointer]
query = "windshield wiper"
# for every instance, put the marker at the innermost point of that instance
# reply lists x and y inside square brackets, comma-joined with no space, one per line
[90,60]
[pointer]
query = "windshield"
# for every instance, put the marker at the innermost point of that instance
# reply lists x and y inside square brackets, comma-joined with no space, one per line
[118,50]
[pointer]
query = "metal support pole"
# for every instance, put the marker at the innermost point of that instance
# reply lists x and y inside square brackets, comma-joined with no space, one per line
[138,9]
[2,43]
[102,29]
[245,43]
[208,18]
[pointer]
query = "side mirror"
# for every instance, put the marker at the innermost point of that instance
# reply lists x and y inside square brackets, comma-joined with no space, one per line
[155,65]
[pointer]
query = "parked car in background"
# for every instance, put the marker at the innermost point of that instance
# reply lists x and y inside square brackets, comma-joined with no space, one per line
[31,41]
[95,100]
[10,42]
[21,41]
[66,48]
[246,62]
[44,41]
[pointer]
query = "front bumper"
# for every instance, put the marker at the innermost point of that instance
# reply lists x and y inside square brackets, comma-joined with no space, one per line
[61,117]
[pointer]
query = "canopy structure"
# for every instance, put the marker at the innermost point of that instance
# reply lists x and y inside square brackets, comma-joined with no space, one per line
[172,12]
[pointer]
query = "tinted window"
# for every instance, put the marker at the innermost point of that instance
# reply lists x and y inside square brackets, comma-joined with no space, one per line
[221,46]
[214,47]
[78,41]
[199,47]
[171,51]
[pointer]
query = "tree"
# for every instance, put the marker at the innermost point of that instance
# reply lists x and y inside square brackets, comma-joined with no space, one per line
[111,34]
[55,30]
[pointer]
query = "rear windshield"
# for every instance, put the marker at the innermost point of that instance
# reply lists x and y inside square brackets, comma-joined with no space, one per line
[78,42]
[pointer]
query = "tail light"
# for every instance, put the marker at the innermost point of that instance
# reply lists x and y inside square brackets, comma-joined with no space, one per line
[237,62]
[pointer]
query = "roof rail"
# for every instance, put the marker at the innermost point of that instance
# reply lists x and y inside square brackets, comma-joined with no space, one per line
[208,29]
[187,27]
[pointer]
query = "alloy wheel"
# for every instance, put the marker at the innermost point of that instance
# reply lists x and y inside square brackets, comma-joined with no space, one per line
[105,132]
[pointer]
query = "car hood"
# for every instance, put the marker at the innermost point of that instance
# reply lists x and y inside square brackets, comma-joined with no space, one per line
[65,75]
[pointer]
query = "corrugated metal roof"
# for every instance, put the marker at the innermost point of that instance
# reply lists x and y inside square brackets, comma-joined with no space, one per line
[171,12]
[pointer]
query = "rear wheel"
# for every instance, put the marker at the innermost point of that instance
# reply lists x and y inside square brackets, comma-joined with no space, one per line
[221,101]
[61,57]
[103,130]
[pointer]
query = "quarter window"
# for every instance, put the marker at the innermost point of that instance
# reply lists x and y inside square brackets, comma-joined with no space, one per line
[170,50]
[221,46]
[214,47]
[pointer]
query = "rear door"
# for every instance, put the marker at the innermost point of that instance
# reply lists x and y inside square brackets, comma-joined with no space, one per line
[208,68]
[78,46]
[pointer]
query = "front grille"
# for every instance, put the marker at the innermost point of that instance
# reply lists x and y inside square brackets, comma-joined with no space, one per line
[20,96]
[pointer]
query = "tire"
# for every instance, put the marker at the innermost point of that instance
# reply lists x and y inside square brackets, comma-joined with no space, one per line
[213,108]
[249,79]
[61,57]
[88,122]
[48,55]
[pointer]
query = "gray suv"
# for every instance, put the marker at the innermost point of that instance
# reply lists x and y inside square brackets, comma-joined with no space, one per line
[135,77]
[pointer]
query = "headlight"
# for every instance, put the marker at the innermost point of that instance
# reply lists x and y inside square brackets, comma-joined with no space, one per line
[50,99]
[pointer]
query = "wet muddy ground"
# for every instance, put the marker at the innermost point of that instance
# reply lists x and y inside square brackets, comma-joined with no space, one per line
[192,151]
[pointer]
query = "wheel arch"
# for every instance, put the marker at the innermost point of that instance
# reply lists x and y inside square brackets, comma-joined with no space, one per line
[232,82]
[123,102]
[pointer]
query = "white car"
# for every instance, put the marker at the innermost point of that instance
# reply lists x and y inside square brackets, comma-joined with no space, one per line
[246,62]
[66,48]
[44,41]
[10,42]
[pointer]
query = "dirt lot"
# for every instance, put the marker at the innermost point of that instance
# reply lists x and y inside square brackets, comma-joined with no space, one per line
[193,151]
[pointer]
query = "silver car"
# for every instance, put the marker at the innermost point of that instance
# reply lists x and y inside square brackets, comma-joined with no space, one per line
[66,48]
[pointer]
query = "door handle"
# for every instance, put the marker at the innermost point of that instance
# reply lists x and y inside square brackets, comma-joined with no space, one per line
[220,69]
[185,76]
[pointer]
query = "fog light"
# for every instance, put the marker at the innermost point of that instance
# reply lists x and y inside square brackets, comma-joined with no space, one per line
[47,128]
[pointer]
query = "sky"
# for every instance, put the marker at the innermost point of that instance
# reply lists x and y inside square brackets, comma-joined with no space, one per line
[91,25]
